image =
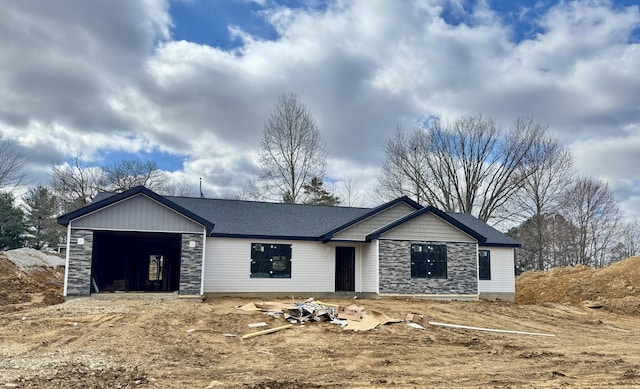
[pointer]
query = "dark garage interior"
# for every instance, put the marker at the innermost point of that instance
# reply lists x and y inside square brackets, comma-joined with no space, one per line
[135,262]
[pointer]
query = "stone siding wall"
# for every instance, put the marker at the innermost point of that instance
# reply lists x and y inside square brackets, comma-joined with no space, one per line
[395,269]
[79,271]
[191,264]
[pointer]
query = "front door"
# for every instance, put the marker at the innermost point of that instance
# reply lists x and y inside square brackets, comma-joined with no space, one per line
[345,269]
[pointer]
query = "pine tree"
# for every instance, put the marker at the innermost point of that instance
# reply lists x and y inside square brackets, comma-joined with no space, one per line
[317,195]
[41,208]
[12,228]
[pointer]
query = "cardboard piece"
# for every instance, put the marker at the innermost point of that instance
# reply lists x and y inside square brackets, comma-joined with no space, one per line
[352,312]
[366,323]
[417,318]
[382,318]
[248,307]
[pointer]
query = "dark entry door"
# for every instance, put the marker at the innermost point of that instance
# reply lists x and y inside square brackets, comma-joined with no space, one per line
[345,269]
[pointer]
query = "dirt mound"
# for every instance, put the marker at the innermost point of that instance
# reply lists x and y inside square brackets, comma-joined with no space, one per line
[615,287]
[37,285]
[28,259]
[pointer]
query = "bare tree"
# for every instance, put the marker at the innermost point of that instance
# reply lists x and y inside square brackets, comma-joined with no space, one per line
[179,189]
[75,185]
[124,175]
[291,152]
[471,165]
[557,234]
[590,206]
[405,168]
[11,164]
[628,244]
[350,192]
[550,167]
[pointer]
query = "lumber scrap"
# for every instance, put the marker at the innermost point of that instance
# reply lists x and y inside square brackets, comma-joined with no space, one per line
[267,331]
[433,323]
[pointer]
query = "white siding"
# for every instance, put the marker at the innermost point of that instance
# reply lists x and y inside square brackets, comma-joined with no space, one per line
[359,230]
[502,271]
[137,213]
[427,227]
[370,267]
[228,267]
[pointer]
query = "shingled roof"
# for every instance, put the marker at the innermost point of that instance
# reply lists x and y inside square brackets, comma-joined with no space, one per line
[253,219]
[492,236]
[238,218]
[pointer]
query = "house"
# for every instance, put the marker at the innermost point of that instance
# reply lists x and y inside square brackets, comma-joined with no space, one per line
[141,241]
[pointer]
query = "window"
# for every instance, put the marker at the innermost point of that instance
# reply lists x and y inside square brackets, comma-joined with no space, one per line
[484,264]
[428,260]
[270,260]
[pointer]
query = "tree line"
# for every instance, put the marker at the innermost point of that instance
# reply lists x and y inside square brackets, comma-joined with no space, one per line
[518,176]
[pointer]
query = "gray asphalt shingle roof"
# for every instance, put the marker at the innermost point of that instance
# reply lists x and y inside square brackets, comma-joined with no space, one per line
[239,218]
[493,236]
[250,218]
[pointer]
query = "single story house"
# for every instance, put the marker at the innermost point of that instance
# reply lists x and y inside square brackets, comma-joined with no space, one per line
[140,241]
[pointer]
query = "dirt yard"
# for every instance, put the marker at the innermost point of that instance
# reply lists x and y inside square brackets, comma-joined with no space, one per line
[118,342]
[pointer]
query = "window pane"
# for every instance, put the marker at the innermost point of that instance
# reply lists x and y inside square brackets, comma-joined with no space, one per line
[260,269]
[419,260]
[259,251]
[437,270]
[270,260]
[484,264]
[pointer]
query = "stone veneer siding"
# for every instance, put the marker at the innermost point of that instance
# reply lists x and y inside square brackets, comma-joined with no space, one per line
[191,264]
[395,269]
[79,271]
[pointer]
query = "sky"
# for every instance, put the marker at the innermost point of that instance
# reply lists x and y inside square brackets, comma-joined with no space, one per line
[190,83]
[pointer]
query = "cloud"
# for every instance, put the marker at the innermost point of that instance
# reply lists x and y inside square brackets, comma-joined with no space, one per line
[92,77]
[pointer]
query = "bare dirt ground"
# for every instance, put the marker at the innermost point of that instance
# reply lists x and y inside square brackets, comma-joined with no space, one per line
[120,342]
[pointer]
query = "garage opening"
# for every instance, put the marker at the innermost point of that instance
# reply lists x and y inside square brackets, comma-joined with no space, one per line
[135,262]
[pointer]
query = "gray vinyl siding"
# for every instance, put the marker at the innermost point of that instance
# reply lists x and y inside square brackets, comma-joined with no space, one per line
[138,213]
[359,230]
[428,227]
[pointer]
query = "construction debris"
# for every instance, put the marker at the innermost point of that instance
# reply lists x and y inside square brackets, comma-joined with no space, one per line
[351,317]
[416,326]
[268,331]
[260,324]
[488,329]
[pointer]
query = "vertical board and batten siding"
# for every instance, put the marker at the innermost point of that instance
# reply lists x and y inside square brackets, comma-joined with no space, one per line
[359,230]
[370,267]
[228,267]
[138,213]
[502,271]
[427,227]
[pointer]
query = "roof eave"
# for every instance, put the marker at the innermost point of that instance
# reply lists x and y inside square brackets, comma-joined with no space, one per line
[404,199]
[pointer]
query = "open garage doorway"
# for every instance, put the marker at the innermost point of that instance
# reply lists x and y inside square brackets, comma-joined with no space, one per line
[135,262]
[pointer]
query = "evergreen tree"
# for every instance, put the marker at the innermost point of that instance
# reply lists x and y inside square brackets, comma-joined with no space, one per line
[12,228]
[41,207]
[317,195]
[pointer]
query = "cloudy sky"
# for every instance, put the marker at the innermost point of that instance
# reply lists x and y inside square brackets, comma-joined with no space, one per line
[189,83]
